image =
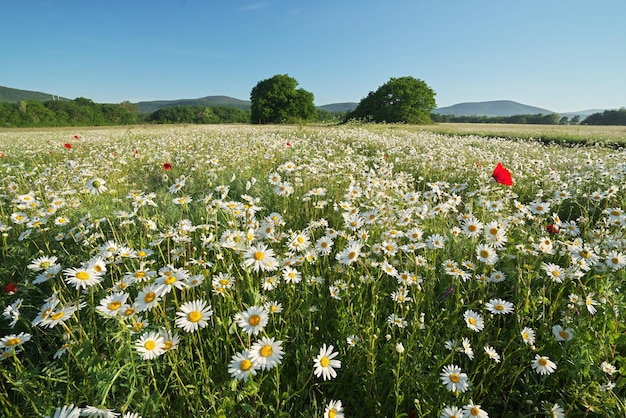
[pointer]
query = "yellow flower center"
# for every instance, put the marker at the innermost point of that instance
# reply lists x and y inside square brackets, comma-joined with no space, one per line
[332,413]
[194,316]
[499,307]
[12,341]
[472,228]
[484,253]
[245,365]
[142,253]
[129,311]
[115,305]
[150,296]
[493,231]
[472,321]
[454,378]
[266,351]
[167,345]
[170,279]
[563,334]
[475,411]
[543,362]
[57,315]
[351,255]
[82,275]
[254,320]
[140,275]
[300,240]
[324,361]
[259,255]
[149,345]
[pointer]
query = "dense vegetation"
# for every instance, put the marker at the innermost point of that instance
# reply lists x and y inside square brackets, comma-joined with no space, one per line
[277,100]
[400,100]
[302,272]
[537,119]
[608,117]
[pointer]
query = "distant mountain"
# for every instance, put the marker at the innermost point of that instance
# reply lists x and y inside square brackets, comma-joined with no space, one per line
[149,107]
[339,107]
[493,108]
[9,95]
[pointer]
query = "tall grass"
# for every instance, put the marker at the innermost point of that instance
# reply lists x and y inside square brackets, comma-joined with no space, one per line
[420,238]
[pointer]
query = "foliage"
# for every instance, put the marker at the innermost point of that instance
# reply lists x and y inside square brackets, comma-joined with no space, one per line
[538,119]
[78,112]
[608,117]
[182,208]
[200,114]
[403,99]
[276,100]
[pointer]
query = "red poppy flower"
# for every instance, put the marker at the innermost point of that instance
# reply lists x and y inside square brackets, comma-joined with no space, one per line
[502,175]
[167,166]
[288,144]
[10,288]
[552,228]
[75,136]
[68,146]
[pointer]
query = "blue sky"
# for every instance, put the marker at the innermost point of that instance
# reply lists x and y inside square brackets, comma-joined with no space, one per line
[562,55]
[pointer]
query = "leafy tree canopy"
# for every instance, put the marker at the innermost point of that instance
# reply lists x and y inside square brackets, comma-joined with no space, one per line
[276,100]
[404,99]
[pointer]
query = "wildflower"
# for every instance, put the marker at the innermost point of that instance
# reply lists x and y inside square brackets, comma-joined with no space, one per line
[467,348]
[502,175]
[266,353]
[325,363]
[10,288]
[96,186]
[252,320]
[555,411]
[350,253]
[67,145]
[42,263]
[543,365]
[56,316]
[608,368]
[454,379]
[499,306]
[291,275]
[66,411]
[562,334]
[351,340]
[81,277]
[14,340]
[528,336]
[334,409]
[241,366]
[93,411]
[193,315]
[395,320]
[259,257]
[113,304]
[167,166]
[170,340]
[12,312]
[487,254]
[590,302]
[492,353]
[435,241]
[472,410]
[148,297]
[451,412]
[150,345]
[554,272]
[615,260]
[473,321]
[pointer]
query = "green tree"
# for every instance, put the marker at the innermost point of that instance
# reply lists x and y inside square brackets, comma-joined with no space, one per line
[276,100]
[404,99]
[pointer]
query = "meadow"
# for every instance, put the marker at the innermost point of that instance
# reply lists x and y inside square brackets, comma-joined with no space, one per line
[357,271]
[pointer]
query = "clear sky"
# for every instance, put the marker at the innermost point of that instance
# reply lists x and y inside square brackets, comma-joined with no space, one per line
[562,55]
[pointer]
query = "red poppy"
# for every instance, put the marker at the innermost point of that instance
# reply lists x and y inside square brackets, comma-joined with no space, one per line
[288,144]
[167,166]
[75,136]
[502,175]
[68,146]
[10,288]
[552,228]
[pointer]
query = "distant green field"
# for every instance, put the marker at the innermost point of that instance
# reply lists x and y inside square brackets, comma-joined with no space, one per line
[567,134]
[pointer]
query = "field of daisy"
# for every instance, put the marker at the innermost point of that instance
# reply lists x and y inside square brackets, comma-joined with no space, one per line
[217,271]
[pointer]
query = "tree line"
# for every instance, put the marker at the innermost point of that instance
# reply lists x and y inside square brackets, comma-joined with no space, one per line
[276,100]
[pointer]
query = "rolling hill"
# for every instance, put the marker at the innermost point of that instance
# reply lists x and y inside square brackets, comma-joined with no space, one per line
[491,108]
[10,95]
[152,106]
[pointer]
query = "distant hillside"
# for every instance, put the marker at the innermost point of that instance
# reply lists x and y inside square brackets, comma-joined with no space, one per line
[493,108]
[9,95]
[339,107]
[149,107]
